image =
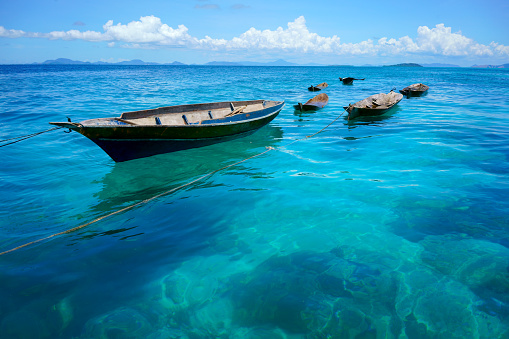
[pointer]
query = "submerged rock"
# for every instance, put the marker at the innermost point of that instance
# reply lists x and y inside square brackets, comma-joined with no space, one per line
[123,322]
[64,308]
[480,265]
[316,294]
[435,306]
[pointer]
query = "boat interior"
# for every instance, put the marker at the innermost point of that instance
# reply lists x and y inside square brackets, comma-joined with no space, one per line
[184,114]
[379,101]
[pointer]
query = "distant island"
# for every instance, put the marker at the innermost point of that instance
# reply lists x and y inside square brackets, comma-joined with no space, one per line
[405,65]
[280,62]
[439,65]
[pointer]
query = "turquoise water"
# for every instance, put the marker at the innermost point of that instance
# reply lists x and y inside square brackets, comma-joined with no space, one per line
[388,227]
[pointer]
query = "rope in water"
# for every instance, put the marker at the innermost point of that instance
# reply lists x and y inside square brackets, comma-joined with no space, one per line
[268,149]
[28,136]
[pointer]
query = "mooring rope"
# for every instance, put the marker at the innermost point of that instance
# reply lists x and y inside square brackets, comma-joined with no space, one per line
[28,136]
[268,149]
[312,135]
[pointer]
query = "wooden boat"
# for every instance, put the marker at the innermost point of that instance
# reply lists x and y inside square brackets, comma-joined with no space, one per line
[415,90]
[348,80]
[313,104]
[168,129]
[318,87]
[374,105]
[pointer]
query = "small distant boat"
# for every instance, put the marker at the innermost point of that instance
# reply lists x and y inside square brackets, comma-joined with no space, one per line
[318,87]
[348,80]
[415,90]
[313,104]
[149,132]
[377,104]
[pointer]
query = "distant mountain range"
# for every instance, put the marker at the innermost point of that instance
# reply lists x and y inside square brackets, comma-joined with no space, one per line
[491,66]
[405,65]
[280,62]
[136,62]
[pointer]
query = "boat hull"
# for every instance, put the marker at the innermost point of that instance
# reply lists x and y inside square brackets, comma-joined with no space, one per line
[304,108]
[413,93]
[121,150]
[355,112]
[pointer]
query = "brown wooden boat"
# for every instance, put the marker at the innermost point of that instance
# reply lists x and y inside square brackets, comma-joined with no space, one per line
[374,105]
[313,104]
[318,87]
[415,90]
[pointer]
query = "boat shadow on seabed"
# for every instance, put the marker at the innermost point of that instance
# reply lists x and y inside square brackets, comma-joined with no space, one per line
[378,120]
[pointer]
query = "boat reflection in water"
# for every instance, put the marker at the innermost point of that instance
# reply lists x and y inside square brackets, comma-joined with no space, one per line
[142,179]
[373,120]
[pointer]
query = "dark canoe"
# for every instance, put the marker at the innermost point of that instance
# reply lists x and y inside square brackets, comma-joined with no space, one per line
[377,104]
[348,80]
[318,87]
[145,133]
[415,90]
[313,104]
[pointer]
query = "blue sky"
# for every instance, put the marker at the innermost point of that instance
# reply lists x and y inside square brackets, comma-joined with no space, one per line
[198,31]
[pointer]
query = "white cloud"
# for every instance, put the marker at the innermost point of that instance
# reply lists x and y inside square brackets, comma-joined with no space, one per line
[11,33]
[150,32]
[440,40]
[296,37]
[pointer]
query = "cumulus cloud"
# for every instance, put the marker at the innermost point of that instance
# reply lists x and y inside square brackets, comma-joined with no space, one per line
[150,32]
[11,33]
[441,40]
[296,37]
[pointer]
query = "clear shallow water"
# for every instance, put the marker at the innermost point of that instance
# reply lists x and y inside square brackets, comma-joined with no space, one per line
[395,226]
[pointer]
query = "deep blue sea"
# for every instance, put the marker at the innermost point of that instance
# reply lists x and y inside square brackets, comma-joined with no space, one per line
[387,227]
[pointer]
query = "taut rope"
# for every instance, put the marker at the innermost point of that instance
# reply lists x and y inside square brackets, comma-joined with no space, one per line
[24,137]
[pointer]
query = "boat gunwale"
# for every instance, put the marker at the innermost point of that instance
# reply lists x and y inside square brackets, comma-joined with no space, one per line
[190,108]
[354,111]
[380,107]
[277,108]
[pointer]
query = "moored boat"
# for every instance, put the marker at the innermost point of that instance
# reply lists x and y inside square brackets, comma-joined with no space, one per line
[415,90]
[348,80]
[377,104]
[149,132]
[313,104]
[318,87]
